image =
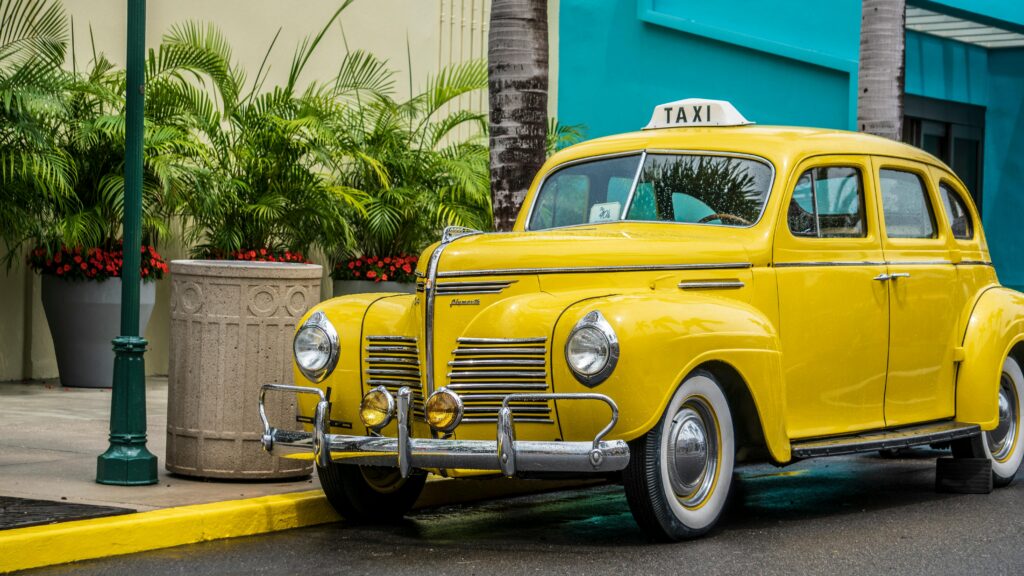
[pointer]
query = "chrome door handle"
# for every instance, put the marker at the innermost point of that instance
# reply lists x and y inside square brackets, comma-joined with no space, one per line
[884,277]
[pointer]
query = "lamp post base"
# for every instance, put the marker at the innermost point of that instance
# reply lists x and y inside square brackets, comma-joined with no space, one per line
[126,466]
[127,462]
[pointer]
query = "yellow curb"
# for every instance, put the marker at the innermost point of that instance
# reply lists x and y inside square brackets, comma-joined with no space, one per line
[38,546]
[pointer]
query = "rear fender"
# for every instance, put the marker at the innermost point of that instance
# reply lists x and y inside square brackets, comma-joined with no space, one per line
[996,325]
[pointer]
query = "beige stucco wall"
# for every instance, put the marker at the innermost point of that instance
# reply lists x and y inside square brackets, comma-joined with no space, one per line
[424,33]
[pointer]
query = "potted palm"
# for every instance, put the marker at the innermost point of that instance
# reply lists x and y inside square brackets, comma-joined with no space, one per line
[268,198]
[78,244]
[422,166]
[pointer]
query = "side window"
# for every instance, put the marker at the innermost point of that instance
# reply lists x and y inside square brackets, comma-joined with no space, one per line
[956,211]
[828,202]
[905,205]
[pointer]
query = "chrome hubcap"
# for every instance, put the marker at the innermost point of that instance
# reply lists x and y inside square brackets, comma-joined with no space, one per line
[1001,440]
[692,452]
[382,479]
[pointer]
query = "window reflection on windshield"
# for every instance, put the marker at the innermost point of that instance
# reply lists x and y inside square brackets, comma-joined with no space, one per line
[686,188]
[701,190]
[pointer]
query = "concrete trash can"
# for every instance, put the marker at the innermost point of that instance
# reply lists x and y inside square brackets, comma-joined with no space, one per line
[231,332]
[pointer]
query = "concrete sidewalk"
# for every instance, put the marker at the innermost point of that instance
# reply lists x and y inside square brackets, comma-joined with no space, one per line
[50,437]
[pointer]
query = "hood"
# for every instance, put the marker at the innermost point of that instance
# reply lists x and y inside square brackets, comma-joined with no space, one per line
[625,244]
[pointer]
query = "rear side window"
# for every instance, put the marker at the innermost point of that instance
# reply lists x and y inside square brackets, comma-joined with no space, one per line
[905,205]
[828,202]
[956,211]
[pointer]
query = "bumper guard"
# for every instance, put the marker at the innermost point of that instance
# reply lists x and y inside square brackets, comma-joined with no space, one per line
[504,454]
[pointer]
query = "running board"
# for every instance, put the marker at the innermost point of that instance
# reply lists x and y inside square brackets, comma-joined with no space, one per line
[885,439]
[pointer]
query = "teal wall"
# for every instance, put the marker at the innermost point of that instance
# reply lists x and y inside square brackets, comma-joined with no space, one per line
[781,63]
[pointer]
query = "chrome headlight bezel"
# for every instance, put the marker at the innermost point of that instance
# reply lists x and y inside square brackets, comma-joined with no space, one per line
[318,321]
[594,321]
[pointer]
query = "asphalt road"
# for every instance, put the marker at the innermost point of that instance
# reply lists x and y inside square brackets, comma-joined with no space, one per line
[850,515]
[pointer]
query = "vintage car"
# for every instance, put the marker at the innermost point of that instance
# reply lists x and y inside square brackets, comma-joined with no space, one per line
[671,303]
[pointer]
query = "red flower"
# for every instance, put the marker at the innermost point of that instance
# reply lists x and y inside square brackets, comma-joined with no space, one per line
[371,274]
[357,274]
[407,269]
[84,265]
[384,278]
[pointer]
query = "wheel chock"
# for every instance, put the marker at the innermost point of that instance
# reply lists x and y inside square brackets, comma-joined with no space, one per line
[963,475]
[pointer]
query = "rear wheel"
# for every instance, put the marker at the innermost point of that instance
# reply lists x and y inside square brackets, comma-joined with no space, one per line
[1002,445]
[679,473]
[373,494]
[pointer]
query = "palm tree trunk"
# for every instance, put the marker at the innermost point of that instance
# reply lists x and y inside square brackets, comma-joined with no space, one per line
[517,52]
[880,79]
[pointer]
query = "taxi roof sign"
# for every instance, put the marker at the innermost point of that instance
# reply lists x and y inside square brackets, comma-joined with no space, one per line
[696,112]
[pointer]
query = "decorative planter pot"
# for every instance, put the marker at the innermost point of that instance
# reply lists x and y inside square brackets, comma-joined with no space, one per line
[84,317]
[231,332]
[346,287]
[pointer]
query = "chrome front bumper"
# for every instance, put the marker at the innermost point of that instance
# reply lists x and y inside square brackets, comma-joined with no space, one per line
[504,454]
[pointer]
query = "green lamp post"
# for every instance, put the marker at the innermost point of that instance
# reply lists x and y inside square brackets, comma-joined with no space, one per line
[127,461]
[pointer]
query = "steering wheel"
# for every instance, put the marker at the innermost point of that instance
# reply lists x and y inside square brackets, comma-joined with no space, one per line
[724,216]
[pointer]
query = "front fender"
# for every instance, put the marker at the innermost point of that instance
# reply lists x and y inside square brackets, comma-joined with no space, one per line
[347,314]
[995,327]
[662,339]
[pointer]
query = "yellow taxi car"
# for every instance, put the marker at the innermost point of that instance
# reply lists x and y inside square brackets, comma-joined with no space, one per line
[673,302]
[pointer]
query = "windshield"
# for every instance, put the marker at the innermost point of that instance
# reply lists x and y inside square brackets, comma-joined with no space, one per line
[686,188]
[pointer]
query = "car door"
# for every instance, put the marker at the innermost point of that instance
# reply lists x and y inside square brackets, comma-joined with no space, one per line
[833,315]
[923,294]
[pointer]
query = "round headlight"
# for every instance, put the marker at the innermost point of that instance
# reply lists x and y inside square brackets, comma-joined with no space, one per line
[316,347]
[592,349]
[587,351]
[377,408]
[443,410]
[312,348]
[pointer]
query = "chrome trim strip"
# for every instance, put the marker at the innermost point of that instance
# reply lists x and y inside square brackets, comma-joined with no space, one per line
[474,397]
[450,234]
[391,349]
[974,263]
[863,263]
[919,263]
[392,360]
[459,288]
[711,285]
[493,419]
[484,341]
[412,373]
[596,269]
[483,374]
[821,264]
[498,385]
[405,339]
[498,351]
[471,362]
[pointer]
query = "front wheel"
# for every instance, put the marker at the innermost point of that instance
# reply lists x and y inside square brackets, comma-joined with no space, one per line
[1003,445]
[371,494]
[679,473]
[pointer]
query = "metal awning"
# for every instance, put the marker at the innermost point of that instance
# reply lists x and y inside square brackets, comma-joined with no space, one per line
[921,20]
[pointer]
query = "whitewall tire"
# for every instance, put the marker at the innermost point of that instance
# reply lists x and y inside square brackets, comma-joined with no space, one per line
[680,472]
[1004,445]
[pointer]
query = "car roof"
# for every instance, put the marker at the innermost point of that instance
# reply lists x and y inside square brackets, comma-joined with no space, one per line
[771,142]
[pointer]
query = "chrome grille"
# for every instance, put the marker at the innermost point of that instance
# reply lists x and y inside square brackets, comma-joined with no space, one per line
[462,288]
[485,370]
[393,362]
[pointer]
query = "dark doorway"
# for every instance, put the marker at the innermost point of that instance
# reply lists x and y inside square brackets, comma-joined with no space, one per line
[951,131]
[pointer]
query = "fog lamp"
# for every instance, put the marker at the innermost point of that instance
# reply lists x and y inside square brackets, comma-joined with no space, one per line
[443,410]
[377,408]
